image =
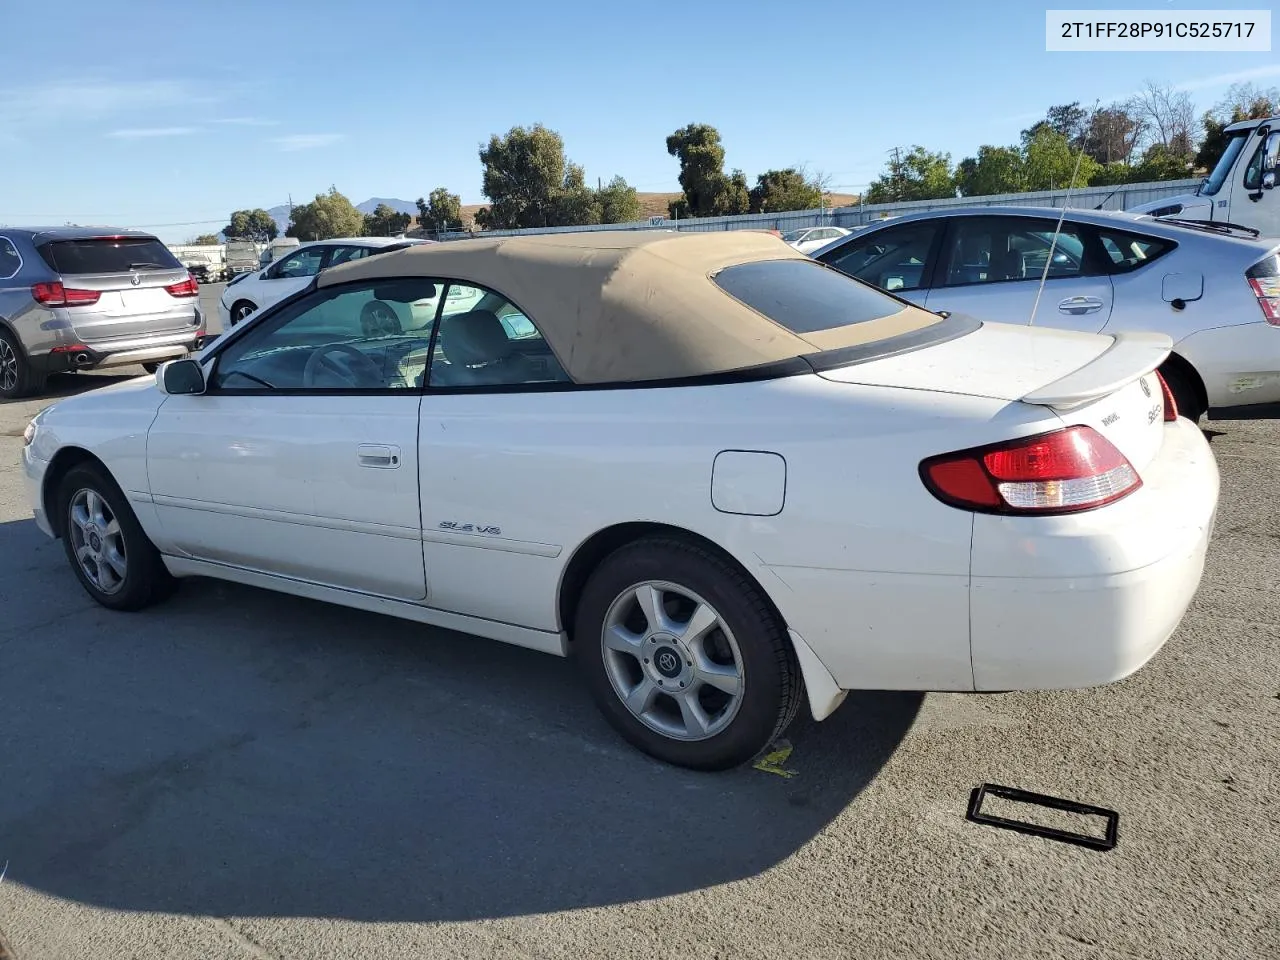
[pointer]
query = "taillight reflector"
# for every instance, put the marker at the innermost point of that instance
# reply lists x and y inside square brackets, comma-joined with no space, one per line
[1267,290]
[184,288]
[1170,404]
[56,295]
[1065,471]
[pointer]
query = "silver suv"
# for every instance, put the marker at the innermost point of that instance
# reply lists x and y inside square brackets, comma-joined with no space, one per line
[74,298]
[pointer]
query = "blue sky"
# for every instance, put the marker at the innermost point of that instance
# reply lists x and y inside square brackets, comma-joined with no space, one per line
[147,113]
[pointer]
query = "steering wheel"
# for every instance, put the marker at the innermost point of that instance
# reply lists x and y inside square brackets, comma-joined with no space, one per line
[361,373]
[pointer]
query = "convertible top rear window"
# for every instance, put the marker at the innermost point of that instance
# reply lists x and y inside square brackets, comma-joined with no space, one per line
[805,296]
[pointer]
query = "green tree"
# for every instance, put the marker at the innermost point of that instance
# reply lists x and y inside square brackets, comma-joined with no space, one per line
[919,175]
[328,215]
[707,190]
[385,222]
[441,210]
[777,191]
[1049,162]
[256,224]
[993,170]
[1069,119]
[205,240]
[529,182]
[1160,163]
[618,202]
[1113,134]
[1243,101]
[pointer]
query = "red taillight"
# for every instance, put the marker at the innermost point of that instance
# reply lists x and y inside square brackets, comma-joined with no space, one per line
[1065,471]
[1267,290]
[184,288]
[56,295]
[1170,404]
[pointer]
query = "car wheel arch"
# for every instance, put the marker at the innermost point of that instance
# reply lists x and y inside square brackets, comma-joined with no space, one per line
[63,462]
[1182,366]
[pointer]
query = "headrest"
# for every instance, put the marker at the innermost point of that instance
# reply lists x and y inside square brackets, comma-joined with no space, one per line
[473,338]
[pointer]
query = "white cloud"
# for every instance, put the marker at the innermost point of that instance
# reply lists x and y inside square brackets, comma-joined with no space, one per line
[307,141]
[247,122]
[137,133]
[28,110]
[1226,79]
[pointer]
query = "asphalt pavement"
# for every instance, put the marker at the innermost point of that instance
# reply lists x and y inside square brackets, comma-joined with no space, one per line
[238,774]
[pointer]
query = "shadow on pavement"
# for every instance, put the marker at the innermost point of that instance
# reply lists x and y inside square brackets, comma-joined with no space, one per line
[236,752]
[60,385]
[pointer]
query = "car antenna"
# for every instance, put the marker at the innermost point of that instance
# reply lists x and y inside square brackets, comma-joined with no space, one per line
[1053,244]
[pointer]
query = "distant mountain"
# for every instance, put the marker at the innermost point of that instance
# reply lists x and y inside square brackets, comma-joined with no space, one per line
[399,206]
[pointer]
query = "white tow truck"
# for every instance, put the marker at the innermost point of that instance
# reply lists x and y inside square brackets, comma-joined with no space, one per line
[1241,190]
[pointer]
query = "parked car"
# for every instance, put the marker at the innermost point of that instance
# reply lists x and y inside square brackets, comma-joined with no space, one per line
[75,298]
[1213,289]
[724,477]
[256,289]
[809,239]
[202,267]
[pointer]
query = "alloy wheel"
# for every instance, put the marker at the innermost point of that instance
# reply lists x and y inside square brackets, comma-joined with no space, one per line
[98,541]
[8,366]
[672,660]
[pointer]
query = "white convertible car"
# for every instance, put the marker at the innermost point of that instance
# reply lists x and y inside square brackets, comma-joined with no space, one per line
[725,477]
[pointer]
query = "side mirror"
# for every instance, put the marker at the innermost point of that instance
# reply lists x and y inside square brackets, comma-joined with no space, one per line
[180,377]
[1269,180]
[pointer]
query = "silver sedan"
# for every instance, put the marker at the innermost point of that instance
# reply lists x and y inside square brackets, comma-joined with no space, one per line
[1215,289]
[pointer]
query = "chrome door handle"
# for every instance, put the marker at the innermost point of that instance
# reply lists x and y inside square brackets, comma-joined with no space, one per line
[381,455]
[1079,305]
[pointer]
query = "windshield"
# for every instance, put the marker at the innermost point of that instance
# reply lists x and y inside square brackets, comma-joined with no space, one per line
[1213,183]
[794,235]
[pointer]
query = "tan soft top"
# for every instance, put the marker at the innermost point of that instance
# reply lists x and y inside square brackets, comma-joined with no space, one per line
[623,306]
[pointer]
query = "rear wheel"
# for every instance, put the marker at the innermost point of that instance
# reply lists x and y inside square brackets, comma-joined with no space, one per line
[17,377]
[1187,392]
[111,555]
[685,656]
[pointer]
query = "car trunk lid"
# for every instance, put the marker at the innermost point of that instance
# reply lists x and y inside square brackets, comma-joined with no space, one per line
[1106,382]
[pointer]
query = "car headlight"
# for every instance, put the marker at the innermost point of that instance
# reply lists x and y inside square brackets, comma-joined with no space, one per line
[29,434]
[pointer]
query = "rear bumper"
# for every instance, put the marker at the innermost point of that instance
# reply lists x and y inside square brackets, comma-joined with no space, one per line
[1084,600]
[120,353]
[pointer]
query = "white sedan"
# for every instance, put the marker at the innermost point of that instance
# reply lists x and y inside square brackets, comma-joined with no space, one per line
[809,239]
[292,272]
[725,477]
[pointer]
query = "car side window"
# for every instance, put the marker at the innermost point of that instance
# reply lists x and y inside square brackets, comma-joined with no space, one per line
[892,259]
[484,340]
[10,259]
[1262,161]
[1129,251]
[345,255]
[997,249]
[361,337]
[303,262]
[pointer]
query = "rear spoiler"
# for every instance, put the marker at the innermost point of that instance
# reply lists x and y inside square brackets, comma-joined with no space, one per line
[1130,356]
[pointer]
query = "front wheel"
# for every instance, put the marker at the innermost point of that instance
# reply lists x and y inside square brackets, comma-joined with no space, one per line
[240,310]
[685,656]
[111,555]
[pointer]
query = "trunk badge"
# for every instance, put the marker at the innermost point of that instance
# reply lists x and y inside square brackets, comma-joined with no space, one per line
[135,280]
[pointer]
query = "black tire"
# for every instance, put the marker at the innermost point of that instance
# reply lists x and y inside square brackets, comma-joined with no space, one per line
[145,580]
[241,309]
[771,688]
[18,378]
[1187,393]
